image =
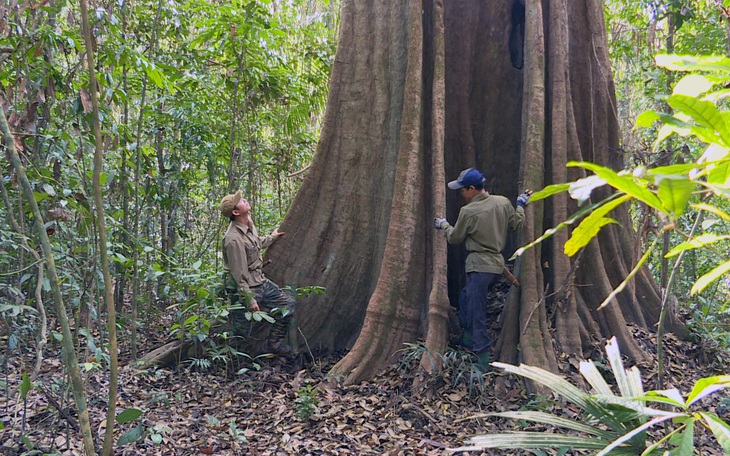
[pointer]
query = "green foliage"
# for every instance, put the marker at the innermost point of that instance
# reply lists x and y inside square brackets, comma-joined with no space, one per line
[306,402]
[614,424]
[458,367]
[128,415]
[667,189]
[195,96]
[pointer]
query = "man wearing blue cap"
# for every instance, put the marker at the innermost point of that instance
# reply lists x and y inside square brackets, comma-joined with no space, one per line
[482,226]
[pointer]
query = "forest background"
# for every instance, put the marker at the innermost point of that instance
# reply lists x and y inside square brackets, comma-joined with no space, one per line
[198,99]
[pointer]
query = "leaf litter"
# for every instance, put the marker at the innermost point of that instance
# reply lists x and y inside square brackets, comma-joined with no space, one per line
[220,412]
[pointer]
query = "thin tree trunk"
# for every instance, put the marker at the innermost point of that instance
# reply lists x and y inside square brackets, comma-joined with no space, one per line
[70,359]
[121,285]
[108,447]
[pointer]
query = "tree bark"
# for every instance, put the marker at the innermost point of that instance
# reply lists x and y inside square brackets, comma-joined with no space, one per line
[438,299]
[528,87]
[108,447]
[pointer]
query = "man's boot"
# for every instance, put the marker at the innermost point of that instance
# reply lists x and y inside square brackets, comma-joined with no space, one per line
[276,343]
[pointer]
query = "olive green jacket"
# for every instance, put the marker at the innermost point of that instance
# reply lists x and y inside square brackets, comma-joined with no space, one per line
[483,226]
[242,255]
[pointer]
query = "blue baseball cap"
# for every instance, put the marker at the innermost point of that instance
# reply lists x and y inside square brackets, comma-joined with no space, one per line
[467,178]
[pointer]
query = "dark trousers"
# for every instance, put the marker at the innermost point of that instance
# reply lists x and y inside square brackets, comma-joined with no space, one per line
[473,309]
[272,299]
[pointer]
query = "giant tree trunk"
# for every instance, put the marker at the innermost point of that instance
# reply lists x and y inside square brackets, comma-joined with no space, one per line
[528,87]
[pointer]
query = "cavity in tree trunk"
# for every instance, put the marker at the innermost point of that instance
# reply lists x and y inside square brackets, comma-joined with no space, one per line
[527,87]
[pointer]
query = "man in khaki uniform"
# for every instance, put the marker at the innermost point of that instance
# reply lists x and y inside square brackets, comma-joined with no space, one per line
[242,257]
[483,226]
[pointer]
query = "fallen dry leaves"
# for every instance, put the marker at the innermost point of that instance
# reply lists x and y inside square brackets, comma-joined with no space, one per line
[219,412]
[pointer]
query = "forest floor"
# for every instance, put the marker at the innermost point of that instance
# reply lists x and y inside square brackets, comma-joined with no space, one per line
[289,407]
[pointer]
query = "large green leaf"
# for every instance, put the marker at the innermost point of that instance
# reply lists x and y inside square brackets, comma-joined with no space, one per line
[128,415]
[693,85]
[710,277]
[567,390]
[572,220]
[550,419]
[719,174]
[673,170]
[25,386]
[624,183]
[712,210]
[674,194]
[686,440]
[706,386]
[719,428]
[590,372]
[627,385]
[591,225]
[531,440]
[698,242]
[131,436]
[676,62]
[703,112]
[647,118]
[548,191]
[630,435]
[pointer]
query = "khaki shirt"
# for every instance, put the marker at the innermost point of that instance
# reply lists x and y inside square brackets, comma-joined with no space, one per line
[482,226]
[242,255]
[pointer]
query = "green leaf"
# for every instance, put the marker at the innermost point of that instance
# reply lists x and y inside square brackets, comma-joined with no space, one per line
[624,183]
[590,372]
[564,388]
[673,394]
[590,226]
[628,385]
[548,191]
[693,85]
[550,419]
[703,112]
[658,398]
[706,386]
[128,415]
[628,436]
[673,170]
[530,440]
[25,386]
[156,438]
[676,62]
[647,118]
[674,194]
[719,428]
[710,277]
[719,174]
[131,436]
[713,210]
[686,440]
[698,242]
